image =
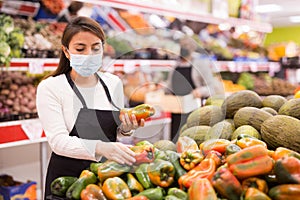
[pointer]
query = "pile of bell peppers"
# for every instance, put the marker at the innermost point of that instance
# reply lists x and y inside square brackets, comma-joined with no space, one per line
[216,169]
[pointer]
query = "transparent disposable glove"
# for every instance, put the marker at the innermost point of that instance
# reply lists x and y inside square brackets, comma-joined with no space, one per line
[116,151]
[130,124]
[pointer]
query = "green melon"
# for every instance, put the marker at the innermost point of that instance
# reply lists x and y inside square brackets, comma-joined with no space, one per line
[216,100]
[183,128]
[221,130]
[239,100]
[197,133]
[269,110]
[206,115]
[281,131]
[250,116]
[291,108]
[274,101]
[246,130]
[164,145]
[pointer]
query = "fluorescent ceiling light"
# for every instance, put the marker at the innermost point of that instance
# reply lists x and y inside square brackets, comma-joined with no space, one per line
[295,19]
[267,8]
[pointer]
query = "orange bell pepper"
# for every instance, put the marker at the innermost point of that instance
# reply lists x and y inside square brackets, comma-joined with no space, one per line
[115,188]
[254,182]
[161,172]
[255,194]
[282,151]
[226,184]
[287,170]
[189,159]
[248,141]
[214,144]
[142,111]
[185,143]
[205,169]
[92,192]
[250,161]
[202,189]
[285,192]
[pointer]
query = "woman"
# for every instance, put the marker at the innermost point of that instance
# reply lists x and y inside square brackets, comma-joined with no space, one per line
[79,106]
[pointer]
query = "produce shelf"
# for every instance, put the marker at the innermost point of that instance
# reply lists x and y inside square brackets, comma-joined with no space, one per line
[24,64]
[169,9]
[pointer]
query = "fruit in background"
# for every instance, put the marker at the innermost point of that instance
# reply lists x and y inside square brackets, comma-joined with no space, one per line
[250,116]
[281,131]
[269,110]
[164,145]
[297,95]
[198,133]
[274,101]
[291,108]
[239,100]
[245,130]
[206,115]
[246,79]
[222,130]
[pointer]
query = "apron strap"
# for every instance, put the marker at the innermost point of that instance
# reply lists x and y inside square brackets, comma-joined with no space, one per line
[107,92]
[75,89]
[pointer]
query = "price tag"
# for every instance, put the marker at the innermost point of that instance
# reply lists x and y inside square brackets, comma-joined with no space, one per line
[32,128]
[36,66]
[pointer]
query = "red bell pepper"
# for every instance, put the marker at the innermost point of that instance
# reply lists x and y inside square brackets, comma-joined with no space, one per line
[143,154]
[205,169]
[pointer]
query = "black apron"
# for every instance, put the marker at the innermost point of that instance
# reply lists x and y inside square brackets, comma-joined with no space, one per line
[90,124]
[182,84]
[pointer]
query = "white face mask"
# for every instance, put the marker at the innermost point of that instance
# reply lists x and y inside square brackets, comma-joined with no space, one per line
[86,65]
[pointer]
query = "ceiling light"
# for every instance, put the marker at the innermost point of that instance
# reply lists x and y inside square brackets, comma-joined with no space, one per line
[267,8]
[294,19]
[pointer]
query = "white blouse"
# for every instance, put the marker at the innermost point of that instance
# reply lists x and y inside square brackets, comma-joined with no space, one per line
[58,107]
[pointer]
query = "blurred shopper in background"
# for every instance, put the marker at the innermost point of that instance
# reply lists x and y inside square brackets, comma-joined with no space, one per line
[70,12]
[190,76]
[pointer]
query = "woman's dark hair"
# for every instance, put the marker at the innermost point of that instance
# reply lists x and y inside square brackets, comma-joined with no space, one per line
[76,25]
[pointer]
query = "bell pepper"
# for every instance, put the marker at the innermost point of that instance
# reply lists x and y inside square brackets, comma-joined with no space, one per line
[142,111]
[216,156]
[202,189]
[255,194]
[189,159]
[153,193]
[254,182]
[180,194]
[92,192]
[86,177]
[231,149]
[174,159]
[143,154]
[144,142]
[282,151]
[111,169]
[142,175]
[60,185]
[287,170]
[226,184]
[205,169]
[185,143]
[94,167]
[115,188]
[248,141]
[134,186]
[285,192]
[214,144]
[161,173]
[160,154]
[250,161]
[171,197]
[138,198]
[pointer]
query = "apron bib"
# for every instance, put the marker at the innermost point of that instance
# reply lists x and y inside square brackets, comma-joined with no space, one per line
[90,124]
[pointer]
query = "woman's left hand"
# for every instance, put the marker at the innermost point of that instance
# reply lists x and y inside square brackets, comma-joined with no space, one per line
[130,123]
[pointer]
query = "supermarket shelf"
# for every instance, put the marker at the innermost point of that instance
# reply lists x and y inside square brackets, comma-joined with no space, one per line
[12,134]
[24,64]
[180,11]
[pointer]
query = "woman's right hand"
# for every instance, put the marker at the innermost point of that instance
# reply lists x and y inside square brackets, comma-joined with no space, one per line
[116,151]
